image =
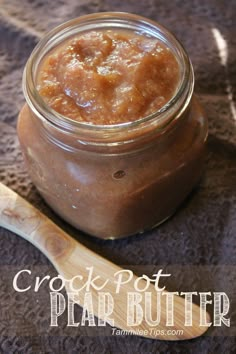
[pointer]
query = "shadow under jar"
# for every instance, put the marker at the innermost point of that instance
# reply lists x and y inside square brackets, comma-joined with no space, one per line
[113,180]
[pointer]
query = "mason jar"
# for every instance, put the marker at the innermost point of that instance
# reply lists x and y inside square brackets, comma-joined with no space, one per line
[116,180]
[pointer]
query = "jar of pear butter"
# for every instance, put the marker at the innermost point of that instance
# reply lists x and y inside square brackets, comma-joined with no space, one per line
[111,133]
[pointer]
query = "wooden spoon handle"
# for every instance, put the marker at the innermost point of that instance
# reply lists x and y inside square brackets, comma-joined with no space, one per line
[20,217]
[71,259]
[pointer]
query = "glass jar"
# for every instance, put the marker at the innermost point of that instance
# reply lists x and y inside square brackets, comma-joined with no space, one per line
[112,181]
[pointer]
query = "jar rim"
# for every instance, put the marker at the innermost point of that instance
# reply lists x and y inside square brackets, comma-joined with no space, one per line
[177,103]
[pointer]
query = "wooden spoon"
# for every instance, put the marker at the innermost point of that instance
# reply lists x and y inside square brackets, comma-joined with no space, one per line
[71,259]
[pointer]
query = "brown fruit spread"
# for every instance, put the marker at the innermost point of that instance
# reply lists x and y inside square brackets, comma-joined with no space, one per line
[108,77]
[112,181]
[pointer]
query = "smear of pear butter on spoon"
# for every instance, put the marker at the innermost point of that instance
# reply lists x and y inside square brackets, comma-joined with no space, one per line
[143,313]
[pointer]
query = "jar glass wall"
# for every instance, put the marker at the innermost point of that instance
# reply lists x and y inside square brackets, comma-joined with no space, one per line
[114,180]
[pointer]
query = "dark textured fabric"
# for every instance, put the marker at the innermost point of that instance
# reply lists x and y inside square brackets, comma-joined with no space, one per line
[199,237]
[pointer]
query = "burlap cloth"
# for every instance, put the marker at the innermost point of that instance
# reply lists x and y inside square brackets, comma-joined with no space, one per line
[200,237]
